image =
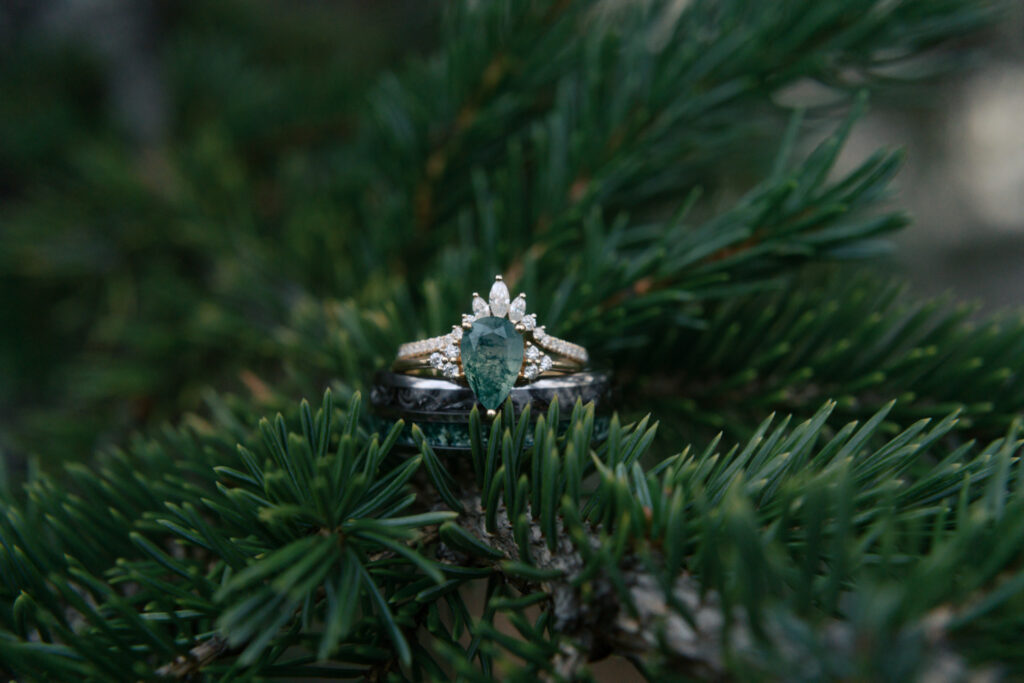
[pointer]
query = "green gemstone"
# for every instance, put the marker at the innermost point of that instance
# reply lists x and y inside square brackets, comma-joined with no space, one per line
[492,354]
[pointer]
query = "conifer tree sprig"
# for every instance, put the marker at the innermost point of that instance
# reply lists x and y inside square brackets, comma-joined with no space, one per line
[615,108]
[766,557]
[531,132]
[859,340]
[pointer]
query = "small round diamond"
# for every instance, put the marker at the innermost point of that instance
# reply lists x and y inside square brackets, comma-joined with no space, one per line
[436,361]
[451,352]
[546,363]
[530,321]
[531,371]
[450,370]
[539,334]
[532,353]
[456,332]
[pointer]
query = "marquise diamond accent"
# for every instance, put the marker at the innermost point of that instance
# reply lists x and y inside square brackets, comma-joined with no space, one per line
[517,309]
[480,307]
[499,299]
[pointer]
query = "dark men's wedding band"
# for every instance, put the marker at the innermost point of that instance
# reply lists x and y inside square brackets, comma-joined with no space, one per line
[429,399]
[441,408]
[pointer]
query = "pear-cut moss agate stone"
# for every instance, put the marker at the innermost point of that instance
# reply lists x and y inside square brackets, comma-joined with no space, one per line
[492,354]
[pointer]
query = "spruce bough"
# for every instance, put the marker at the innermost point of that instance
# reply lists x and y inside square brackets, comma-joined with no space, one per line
[320,552]
[834,488]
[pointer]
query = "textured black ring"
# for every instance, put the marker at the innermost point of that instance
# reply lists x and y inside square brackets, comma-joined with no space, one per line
[441,408]
[437,400]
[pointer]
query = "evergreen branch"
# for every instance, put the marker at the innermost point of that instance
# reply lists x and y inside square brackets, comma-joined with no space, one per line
[624,550]
[683,628]
[852,338]
[558,142]
[552,121]
[756,558]
[206,652]
[637,285]
[553,138]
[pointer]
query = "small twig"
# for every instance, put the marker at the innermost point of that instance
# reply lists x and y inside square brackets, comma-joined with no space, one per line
[199,656]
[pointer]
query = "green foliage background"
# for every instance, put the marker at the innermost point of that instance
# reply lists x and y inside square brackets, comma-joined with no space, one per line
[318,198]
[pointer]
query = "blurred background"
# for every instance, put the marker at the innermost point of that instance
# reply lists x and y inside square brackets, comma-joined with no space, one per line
[170,173]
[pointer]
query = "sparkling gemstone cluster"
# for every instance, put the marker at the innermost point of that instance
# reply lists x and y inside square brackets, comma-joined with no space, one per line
[446,359]
[537,362]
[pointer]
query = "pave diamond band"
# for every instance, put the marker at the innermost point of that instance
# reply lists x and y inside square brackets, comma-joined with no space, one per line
[495,347]
[560,346]
[426,347]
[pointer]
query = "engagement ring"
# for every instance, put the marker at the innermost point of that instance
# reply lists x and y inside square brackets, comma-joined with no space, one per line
[495,346]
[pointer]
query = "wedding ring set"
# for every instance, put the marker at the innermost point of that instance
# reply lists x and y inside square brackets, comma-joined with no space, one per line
[496,352]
